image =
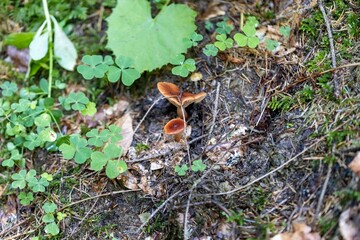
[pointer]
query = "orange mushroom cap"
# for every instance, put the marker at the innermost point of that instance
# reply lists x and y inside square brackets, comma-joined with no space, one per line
[174,126]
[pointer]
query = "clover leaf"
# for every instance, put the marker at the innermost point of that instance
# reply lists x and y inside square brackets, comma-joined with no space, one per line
[125,70]
[252,21]
[38,185]
[52,229]
[209,26]
[114,168]
[26,198]
[77,101]
[15,156]
[97,139]
[271,45]
[210,50]
[95,66]
[4,107]
[181,171]
[32,141]
[193,40]
[43,120]
[60,216]
[223,42]
[22,106]
[49,207]
[223,27]
[198,165]
[47,134]
[47,176]
[19,179]
[114,133]
[8,88]
[249,39]
[77,149]
[285,30]
[98,161]
[185,66]
[90,109]
[48,218]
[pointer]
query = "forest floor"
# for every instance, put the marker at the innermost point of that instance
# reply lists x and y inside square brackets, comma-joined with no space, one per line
[276,131]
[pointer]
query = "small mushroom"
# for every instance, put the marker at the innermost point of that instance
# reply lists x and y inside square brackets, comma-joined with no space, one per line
[178,98]
[175,127]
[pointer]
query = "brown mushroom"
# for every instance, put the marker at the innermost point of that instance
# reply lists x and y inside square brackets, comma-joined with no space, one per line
[175,127]
[178,98]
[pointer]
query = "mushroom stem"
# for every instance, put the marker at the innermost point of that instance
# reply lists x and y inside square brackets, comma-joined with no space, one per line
[179,112]
[178,137]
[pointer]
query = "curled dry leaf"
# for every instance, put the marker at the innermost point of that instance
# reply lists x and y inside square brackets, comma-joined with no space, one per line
[125,123]
[355,164]
[214,9]
[196,76]
[301,232]
[349,223]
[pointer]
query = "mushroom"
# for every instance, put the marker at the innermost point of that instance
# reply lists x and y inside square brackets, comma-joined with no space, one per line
[175,127]
[178,98]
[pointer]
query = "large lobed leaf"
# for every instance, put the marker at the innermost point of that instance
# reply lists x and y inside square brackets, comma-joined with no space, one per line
[150,42]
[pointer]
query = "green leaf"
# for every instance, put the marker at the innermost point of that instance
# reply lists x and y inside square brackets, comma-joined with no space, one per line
[249,30]
[8,88]
[223,42]
[77,101]
[185,66]
[32,141]
[198,165]
[47,176]
[64,49]
[47,135]
[252,21]
[49,207]
[95,66]
[19,40]
[4,107]
[90,109]
[193,41]
[8,163]
[223,27]
[22,106]
[19,179]
[151,42]
[26,198]
[181,171]
[48,218]
[98,161]
[52,229]
[240,39]
[271,45]
[112,151]
[96,139]
[38,185]
[61,216]
[40,44]
[43,120]
[115,167]
[209,26]
[68,151]
[210,50]
[114,133]
[253,42]
[285,30]
[44,85]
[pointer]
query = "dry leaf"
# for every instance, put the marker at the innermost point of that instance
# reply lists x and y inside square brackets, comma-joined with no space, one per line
[301,232]
[125,122]
[349,223]
[355,164]
[213,10]
[129,180]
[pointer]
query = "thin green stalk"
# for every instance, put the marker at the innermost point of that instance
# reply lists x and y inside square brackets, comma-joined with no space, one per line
[51,60]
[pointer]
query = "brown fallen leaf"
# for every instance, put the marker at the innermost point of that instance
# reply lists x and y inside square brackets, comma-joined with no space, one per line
[349,223]
[355,164]
[125,122]
[301,232]
[213,10]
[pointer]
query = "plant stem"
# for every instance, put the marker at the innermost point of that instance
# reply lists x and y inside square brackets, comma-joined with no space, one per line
[51,60]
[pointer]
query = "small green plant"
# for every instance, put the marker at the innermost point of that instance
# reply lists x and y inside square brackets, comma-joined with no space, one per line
[271,45]
[193,40]
[184,67]
[31,182]
[79,149]
[223,27]
[248,38]
[181,170]
[198,165]
[281,102]
[285,31]
[223,42]
[237,217]
[209,26]
[48,218]
[97,66]
[210,50]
